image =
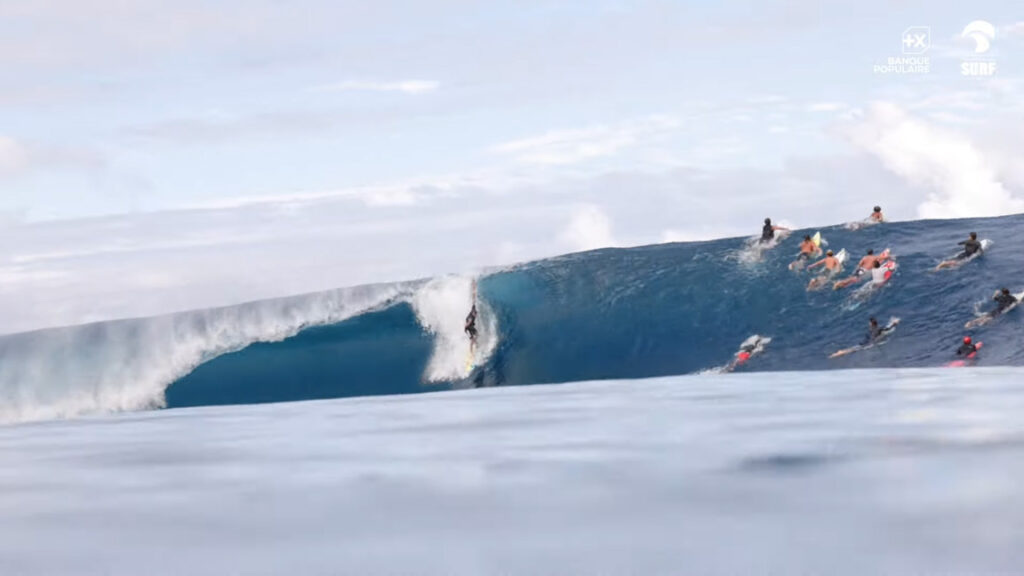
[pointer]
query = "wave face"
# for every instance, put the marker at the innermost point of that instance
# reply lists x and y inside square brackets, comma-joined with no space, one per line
[615,313]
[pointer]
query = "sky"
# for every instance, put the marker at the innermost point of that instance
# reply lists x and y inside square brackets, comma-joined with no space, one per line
[163,155]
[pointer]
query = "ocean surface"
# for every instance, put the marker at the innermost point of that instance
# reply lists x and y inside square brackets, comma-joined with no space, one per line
[880,471]
[627,313]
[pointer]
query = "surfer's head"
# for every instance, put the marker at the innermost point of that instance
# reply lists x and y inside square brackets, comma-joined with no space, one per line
[807,237]
[871,251]
[974,235]
[967,339]
[767,220]
[829,253]
[1005,291]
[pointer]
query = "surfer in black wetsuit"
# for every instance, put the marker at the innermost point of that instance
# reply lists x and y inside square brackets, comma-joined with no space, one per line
[971,247]
[968,348]
[471,325]
[768,231]
[1003,301]
[874,331]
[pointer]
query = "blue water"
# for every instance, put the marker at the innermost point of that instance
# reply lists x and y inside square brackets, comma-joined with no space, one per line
[615,313]
[895,472]
[657,310]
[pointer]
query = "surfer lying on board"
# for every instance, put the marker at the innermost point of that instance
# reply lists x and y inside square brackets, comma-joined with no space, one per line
[875,335]
[879,275]
[866,263]
[971,247]
[768,231]
[968,348]
[1003,300]
[874,332]
[750,347]
[807,248]
[832,266]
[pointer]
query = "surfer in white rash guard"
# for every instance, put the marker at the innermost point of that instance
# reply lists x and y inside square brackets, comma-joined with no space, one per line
[878,273]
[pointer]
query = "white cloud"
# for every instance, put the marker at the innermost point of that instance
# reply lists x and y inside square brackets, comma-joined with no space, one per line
[827,107]
[14,156]
[960,180]
[1015,29]
[589,228]
[573,146]
[413,87]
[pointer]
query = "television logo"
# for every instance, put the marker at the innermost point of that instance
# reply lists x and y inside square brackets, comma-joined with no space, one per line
[982,33]
[917,39]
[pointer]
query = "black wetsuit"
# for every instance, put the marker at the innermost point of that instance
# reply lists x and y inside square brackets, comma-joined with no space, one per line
[767,233]
[966,349]
[874,333]
[471,324]
[1003,301]
[971,247]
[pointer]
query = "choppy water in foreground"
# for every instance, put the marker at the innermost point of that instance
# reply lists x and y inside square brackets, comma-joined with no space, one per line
[905,471]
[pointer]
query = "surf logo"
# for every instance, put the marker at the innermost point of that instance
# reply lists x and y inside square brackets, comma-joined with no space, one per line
[982,32]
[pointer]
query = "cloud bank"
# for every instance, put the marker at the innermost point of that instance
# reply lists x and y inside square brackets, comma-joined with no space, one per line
[959,179]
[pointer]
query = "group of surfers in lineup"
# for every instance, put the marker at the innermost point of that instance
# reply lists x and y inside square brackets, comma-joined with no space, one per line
[876,265]
[880,267]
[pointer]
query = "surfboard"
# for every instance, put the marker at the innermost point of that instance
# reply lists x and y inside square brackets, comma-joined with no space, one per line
[861,224]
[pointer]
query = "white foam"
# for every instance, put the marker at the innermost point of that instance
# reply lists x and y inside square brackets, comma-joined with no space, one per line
[441,307]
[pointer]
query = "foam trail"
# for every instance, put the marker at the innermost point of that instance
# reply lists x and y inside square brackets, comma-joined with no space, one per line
[441,307]
[128,364]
